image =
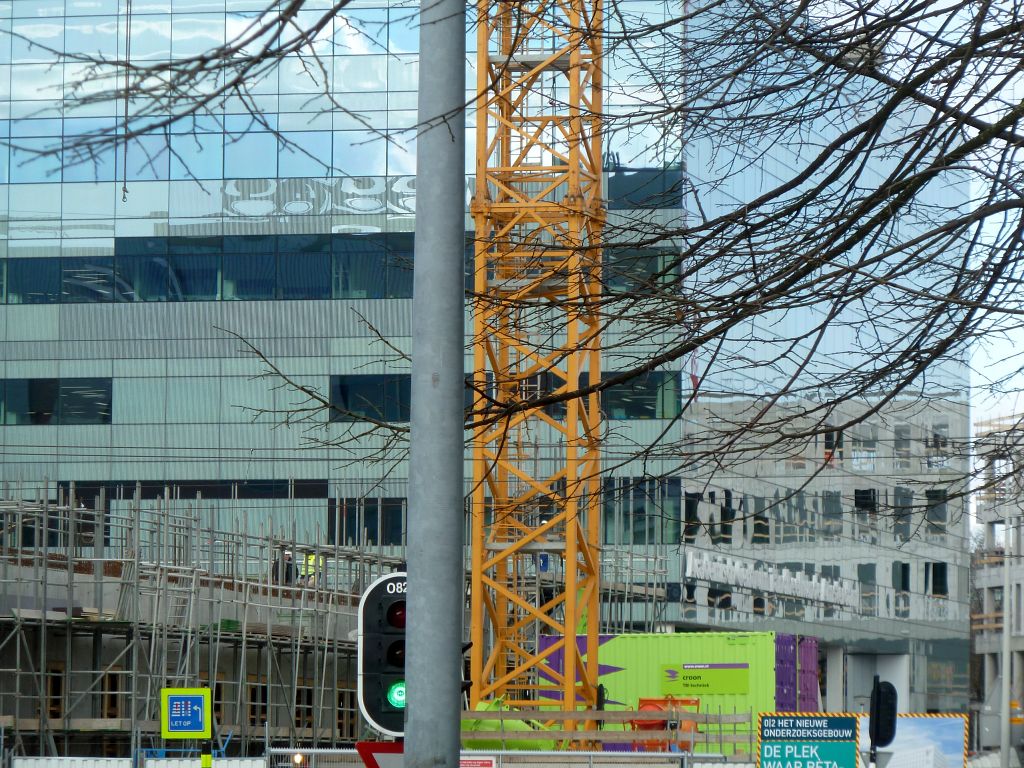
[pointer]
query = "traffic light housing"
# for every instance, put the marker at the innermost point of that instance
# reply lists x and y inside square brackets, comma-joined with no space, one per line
[882,725]
[381,654]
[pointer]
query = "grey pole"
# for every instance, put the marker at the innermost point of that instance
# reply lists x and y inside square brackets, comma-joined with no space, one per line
[1005,661]
[436,574]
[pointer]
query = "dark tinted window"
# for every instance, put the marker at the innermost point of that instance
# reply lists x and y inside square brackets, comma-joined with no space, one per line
[87,280]
[655,395]
[140,278]
[57,401]
[255,267]
[304,276]
[304,243]
[250,275]
[193,245]
[399,265]
[85,401]
[194,277]
[33,281]
[359,271]
[392,525]
[140,246]
[250,244]
[383,397]
[31,401]
[645,188]
[630,269]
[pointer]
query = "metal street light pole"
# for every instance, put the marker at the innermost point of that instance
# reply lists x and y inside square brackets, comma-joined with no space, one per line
[436,572]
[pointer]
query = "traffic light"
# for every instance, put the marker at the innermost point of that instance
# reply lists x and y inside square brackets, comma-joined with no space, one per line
[381,654]
[882,725]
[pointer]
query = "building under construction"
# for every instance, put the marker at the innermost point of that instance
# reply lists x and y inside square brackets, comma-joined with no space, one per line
[106,601]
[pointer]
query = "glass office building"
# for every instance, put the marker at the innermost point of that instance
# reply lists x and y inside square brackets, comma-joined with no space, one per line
[280,220]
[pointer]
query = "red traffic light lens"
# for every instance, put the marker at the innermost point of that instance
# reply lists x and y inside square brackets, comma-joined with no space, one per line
[395,615]
[395,654]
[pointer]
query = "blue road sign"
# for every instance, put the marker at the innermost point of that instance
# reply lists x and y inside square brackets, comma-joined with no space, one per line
[185,713]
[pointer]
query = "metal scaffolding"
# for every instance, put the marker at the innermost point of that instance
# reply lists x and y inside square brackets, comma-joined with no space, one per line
[103,605]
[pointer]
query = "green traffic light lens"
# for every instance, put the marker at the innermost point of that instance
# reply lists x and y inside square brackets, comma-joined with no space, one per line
[396,695]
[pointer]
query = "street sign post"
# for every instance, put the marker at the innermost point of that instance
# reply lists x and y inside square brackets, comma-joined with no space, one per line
[807,740]
[185,713]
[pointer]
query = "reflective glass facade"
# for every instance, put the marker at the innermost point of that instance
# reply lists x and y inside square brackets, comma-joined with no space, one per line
[121,358]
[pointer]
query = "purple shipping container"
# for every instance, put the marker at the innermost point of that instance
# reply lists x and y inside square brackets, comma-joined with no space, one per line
[807,682]
[785,673]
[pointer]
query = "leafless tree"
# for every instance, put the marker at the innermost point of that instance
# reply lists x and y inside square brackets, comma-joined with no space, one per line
[836,221]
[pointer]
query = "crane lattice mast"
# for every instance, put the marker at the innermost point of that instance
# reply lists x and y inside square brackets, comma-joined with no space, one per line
[538,214]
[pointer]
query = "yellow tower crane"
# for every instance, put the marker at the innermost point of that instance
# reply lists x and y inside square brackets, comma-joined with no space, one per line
[538,214]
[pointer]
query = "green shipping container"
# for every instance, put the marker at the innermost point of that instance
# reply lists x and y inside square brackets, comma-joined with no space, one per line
[729,672]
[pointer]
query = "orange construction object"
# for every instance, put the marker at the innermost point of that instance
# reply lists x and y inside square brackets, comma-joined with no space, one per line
[670,705]
[538,214]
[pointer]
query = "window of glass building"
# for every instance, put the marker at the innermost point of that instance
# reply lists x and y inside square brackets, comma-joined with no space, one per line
[56,401]
[398,265]
[251,154]
[865,504]
[31,401]
[643,187]
[655,395]
[248,267]
[140,277]
[631,269]
[33,281]
[901,446]
[760,604]
[193,277]
[903,505]
[640,511]
[693,524]
[380,397]
[304,276]
[868,588]
[761,531]
[197,155]
[901,588]
[359,267]
[85,401]
[360,521]
[834,573]
[87,280]
[250,276]
[832,515]
[864,448]
[720,596]
[727,516]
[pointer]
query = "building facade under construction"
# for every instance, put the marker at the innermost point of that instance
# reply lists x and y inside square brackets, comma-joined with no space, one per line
[204,402]
[104,603]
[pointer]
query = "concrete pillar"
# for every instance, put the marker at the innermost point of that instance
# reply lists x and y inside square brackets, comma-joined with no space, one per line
[835,682]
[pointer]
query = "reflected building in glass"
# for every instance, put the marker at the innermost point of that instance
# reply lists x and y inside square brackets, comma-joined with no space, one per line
[285,223]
